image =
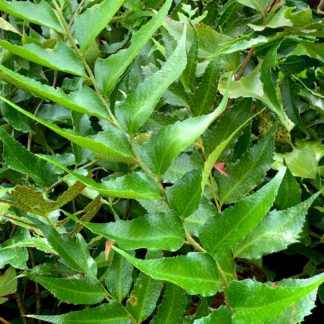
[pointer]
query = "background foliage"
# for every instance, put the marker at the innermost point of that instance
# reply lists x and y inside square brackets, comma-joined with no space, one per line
[162,161]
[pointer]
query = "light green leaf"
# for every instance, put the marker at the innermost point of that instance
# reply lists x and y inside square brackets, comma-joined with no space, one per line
[221,315]
[255,302]
[246,173]
[258,5]
[140,103]
[73,251]
[313,50]
[275,232]
[28,163]
[5,25]
[85,100]
[153,232]
[195,272]
[85,290]
[8,283]
[251,86]
[119,277]
[224,231]
[171,140]
[202,100]
[109,70]
[38,243]
[279,19]
[143,298]
[112,313]
[19,258]
[92,21]
[302,162]
[172,307]
[184,196]
[38,13]
[61,57]
[132,186]
[110,144]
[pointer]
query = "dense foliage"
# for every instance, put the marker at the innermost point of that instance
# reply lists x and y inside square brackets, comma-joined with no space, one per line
[162,161]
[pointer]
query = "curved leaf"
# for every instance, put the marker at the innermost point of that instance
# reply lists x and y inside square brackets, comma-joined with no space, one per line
[110,144]
[153,232]
[111,313]
[109,70]
[255,302]
[195,272]
[84,290]
[85,100]
[38,13]
[93,20]
[62,57]
[275,232]
[140,103]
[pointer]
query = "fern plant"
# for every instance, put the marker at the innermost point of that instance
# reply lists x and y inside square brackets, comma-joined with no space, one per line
[139,183]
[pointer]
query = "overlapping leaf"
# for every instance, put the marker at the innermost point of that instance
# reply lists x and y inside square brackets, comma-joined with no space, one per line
[223,232]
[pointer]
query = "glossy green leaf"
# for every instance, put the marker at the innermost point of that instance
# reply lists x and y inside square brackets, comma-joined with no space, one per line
[246,173]
[93,20]
[73,251]
[140,103]
[275,232]
[227,229]
[28,163]
[38,13]
[61,57]
[119,277]
[258,5]
[109,70]
[111,313]
[85,100]
[85,290]
[143,298]
[184,196]
[221,315]
[153,232]
[255,302]
[172,307]
[8,283]
[202,100]
[171,140]
[195,272]
[131,186]
[110,144]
